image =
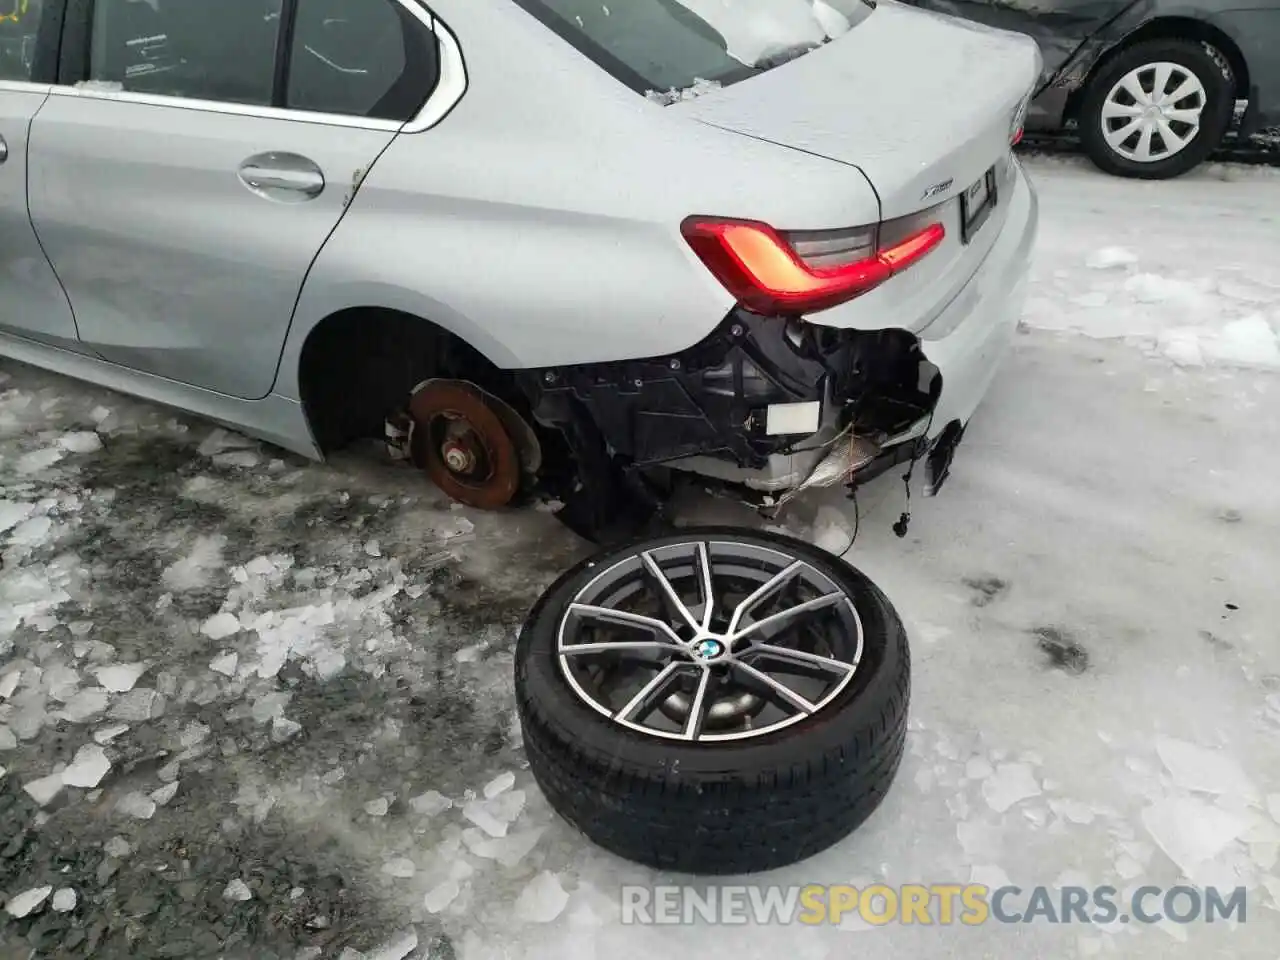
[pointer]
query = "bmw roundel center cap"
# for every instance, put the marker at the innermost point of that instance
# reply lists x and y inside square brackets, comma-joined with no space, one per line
[708,649]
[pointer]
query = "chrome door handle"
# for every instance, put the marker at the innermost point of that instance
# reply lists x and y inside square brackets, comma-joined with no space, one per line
[302,180]
[284,177]
[4,150]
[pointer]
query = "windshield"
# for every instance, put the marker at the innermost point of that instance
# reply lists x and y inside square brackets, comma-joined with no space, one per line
[670,49]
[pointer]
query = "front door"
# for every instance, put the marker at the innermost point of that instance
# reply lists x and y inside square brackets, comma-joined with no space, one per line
[32,303]
[184,191]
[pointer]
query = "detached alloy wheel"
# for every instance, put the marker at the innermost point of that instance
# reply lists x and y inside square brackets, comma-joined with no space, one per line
[1157,109]
[716,701]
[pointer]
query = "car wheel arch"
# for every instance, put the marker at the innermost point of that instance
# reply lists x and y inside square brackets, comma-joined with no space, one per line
[1169,25]
[356,364]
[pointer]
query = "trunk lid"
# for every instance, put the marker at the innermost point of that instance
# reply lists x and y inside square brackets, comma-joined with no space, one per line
[923,104]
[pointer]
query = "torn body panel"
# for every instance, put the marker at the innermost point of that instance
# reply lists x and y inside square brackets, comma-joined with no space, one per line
[762,403]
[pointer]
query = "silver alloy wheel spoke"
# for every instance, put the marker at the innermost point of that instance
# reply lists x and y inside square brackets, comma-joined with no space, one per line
[624,618]
[1140,126]
[708,596]
[790,613]
[669,595]
[803,656]
[649,691]
[611,646]
[779,580]
[693,726]
[781,689]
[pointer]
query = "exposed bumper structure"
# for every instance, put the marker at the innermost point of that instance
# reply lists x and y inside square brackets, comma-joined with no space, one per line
[775,405]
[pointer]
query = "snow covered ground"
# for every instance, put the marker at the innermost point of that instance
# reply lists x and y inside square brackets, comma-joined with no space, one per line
[250,706]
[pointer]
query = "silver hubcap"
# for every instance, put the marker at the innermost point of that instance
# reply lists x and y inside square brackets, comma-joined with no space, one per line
[1153,112]
[709,640]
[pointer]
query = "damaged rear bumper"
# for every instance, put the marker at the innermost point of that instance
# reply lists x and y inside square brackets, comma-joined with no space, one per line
[775,405]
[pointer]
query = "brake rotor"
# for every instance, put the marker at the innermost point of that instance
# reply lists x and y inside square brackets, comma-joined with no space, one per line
[463,444]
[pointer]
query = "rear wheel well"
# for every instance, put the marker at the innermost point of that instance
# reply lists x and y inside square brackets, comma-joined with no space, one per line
[359,365]
[1172,28]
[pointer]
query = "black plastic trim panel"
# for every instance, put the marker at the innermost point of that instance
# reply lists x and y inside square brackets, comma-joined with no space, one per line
[712,398]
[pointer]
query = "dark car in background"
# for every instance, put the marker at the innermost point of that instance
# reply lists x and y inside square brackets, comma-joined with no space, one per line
[1151,84]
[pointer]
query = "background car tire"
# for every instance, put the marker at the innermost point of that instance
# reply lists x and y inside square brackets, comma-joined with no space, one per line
[729,806]
[1218,107]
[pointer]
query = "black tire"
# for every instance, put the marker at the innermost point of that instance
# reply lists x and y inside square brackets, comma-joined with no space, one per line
[728,807]
[1214,119]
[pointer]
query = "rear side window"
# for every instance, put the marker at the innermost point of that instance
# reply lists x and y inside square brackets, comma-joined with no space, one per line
[661,47]
[19,20]
[221,50]
[359,58]
[364,58]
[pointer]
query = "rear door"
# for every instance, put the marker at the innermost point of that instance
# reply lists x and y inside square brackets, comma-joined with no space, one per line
[1059,26]
[32,304]
[196,157]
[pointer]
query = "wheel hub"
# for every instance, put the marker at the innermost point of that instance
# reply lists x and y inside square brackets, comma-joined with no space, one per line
[463,444]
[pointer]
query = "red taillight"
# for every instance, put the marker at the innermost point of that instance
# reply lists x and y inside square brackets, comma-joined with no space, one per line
[766,276]
[1016,138]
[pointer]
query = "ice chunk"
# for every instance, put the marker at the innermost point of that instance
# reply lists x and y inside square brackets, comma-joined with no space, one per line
[226,663]
[1206,771]
[81,441]
[13,512]
[401,867]
[220,625]
[9,683]
[27,902]
[32,532]
[109,732]
[64,900]
[85,705]
[192,571]
[430,803]
[978,768]
[237,890]
[508,850]
[1190,831]
[7,740]
[136,805]
[87,767]
[117,847]
[38,460]
[439,897]
[237,458]
[269,706]
[542,900]
[42,791]
[137,705]
[398,947]
[499,784]
[193,733]
[377,808]
[282,729]
[481,814]
[1108,257]
[1009,784]
[120,677]
[164,794]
